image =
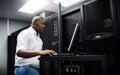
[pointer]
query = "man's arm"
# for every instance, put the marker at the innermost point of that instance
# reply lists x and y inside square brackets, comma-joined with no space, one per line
[28,54]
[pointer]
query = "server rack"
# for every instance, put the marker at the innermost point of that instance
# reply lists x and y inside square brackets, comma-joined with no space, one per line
[100,30]
[74,65]
[52,33]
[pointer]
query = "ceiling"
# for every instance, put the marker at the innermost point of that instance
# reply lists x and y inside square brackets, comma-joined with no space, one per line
[9,9]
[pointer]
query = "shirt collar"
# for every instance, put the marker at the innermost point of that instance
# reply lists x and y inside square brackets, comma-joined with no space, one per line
[33,30]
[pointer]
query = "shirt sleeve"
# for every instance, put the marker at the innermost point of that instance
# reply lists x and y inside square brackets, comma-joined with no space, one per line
[22,41]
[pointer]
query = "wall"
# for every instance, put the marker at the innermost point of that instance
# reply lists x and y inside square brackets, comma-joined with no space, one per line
[7,26]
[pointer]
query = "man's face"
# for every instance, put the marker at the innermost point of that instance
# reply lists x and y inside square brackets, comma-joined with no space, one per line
[41,25]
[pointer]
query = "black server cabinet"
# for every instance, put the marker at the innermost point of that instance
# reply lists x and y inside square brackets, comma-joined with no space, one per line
[99,22]
[12,41]
[117,9]
[74,65]
[101,31]
[70,17]
[50,36]
[100,28]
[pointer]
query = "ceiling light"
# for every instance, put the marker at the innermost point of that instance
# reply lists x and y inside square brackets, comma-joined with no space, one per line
[67,3]
[33,6]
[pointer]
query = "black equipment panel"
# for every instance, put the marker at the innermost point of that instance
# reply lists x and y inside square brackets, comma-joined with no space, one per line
[69,21]
[50,35]
[100,30]
[77,65]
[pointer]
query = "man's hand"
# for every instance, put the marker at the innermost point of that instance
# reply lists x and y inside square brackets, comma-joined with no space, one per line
[48,52]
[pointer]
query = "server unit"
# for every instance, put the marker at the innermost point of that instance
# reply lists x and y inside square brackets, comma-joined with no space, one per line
[117,9]
[98,33]
[74,65]
[51,33]
[71,68]
[101,31]
[100,28]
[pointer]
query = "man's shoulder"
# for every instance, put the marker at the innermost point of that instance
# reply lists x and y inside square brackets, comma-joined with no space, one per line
[24,32]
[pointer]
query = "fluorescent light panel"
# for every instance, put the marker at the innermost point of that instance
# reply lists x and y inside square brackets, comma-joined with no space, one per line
[33,6]
[67,3]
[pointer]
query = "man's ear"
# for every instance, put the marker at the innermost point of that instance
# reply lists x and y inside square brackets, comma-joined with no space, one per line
[37,23]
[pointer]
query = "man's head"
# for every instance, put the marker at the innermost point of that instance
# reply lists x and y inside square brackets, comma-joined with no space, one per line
[38,23]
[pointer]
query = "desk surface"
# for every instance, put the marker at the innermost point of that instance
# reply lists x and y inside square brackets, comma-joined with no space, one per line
[73,58]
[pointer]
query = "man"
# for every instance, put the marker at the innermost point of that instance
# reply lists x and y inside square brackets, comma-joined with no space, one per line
[29,48]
